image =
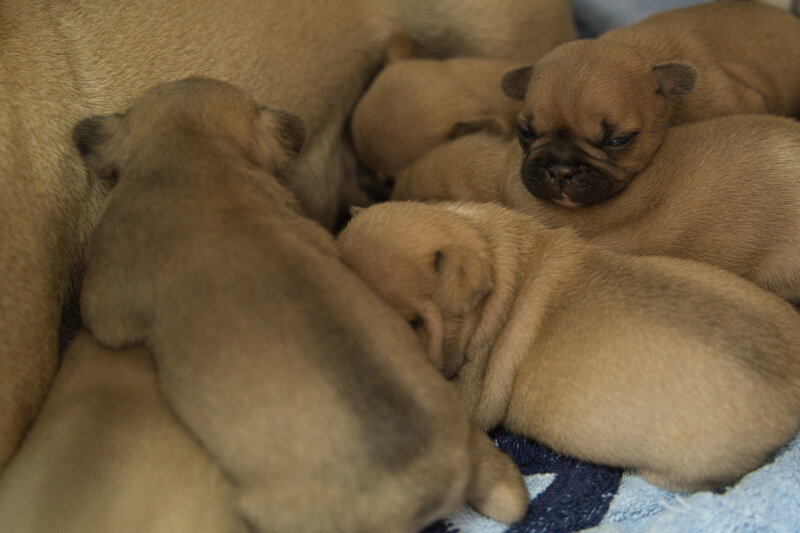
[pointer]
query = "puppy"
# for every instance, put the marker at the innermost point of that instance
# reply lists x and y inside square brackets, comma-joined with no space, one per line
[65,61]
[106,454]
[722,191]
[279,359]
[469,168]
[415,104]
[596,111]
[682,371]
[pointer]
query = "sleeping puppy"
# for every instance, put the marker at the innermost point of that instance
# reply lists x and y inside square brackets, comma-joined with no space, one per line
[682,371]
[63,61]
[415,104]
[106,454]
[722,191]
[469,168]
[286,367]
[596,111]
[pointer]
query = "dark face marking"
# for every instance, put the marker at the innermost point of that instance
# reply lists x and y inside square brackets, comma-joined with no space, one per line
[558,171]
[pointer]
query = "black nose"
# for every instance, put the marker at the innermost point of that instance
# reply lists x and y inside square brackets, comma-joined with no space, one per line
[561,173]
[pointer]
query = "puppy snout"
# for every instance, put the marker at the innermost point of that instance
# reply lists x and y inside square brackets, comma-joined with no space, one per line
[561,173]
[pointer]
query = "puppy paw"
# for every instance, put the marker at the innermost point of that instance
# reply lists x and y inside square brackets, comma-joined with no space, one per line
[496,489]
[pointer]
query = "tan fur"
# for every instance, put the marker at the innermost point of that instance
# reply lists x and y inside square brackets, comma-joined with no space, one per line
[416,104]
[628,85]
[468,168]
[106,454]
[278,358]
[723,191]
[513,29]
[61,61]
[680,370]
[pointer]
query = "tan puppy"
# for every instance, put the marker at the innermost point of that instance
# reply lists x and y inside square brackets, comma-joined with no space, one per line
[723,191]
[62,61]
[682,371]
[106,454]
[596,111]
[285,366]
[468,168]
[416,104]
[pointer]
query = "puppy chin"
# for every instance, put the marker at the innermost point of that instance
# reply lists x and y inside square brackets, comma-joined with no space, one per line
[586,186]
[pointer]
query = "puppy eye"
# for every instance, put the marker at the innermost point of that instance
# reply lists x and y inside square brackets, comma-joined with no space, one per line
[526,134]
[416,323]
[621,140]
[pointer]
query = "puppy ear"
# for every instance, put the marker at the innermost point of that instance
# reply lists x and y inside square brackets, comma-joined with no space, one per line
[515,83]
[400,47]
[291,131]
[93,137]
[489,125]
[465,278]
[675,79]
[278,136]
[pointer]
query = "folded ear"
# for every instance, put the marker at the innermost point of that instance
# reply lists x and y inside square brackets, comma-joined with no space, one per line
[514,83]
[291,131]
[93,137]
[465,278]
[279,136]
[675,79]
[487,124]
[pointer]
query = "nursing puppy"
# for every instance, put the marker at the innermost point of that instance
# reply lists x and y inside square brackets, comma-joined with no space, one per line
[596,111]
[63,61]
[682,371]
[415,104]
[286,367]
[723,191]
[106,454]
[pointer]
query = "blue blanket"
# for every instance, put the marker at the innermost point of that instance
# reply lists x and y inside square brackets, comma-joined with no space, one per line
[569,495]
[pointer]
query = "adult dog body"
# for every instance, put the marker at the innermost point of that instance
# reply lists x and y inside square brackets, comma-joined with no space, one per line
[595,111]
[279,359]
[61,61]
[683,371]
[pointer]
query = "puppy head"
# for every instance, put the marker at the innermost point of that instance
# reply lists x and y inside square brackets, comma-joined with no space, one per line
[194,116]
[594,113]
[430,264]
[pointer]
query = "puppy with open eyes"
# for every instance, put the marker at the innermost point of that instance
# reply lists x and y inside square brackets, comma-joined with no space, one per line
[596,111]
[682,371]
[723,191]
[415,104]
[286,367]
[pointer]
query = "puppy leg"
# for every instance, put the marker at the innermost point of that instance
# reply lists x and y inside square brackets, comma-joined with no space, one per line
[496,489]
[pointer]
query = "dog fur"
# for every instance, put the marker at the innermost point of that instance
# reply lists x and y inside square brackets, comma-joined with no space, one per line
[106,454]
[596,111]
[415,104]
[680,370]
[62,61]
[275,355]
[723,191]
